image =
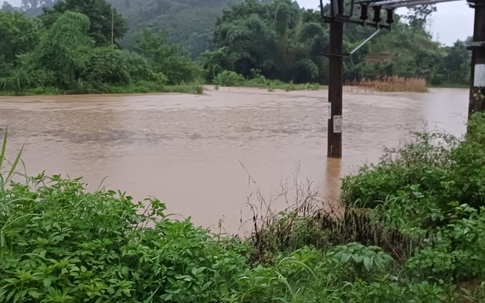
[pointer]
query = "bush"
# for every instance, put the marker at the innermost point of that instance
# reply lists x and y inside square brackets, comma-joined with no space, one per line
[107,65]
[433,189]
[420,162]
[167,59]
[228,78]
[59,243]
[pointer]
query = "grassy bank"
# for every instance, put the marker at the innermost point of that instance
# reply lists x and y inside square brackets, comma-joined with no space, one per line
[451,85]
[134,88]
[232,79]
[148,87]
[413,231]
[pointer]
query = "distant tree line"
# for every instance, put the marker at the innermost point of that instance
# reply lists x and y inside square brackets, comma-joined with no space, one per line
[73,46]
[91,45]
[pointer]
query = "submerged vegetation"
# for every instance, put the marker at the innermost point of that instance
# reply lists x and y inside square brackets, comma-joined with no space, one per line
[393,84]
[412,231]
[81,46]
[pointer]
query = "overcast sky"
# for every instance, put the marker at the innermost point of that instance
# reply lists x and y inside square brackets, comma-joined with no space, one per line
[453,21]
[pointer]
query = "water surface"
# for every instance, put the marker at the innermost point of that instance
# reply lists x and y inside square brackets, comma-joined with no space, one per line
[195,152]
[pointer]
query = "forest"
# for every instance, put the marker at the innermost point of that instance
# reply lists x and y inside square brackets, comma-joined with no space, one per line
[97,46]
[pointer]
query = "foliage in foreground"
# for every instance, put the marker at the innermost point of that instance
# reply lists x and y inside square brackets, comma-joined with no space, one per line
[434,187]
[60,244]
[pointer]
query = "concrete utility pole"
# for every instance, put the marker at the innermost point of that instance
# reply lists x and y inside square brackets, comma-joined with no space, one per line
[335,82]
[335,91]
[477,86]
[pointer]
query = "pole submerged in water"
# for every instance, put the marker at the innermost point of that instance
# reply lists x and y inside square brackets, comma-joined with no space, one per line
[335,83]
[477,85]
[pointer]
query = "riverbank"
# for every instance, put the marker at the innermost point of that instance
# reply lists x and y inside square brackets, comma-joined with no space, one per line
[135,88]
[389,85]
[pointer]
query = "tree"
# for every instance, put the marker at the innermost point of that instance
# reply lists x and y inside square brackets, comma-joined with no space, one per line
[106,25]
[190,23]
[64,50]
[418,16]
[279,39]
[457,63]
[18,35]
[167,59]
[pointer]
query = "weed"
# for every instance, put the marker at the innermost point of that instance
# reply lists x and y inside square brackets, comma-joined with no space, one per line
[228,78]
[394,84]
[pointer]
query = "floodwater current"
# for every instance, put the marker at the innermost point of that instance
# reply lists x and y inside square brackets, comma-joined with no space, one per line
[205,155]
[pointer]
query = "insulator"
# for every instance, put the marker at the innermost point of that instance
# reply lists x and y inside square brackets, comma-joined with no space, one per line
[377,14]
[390,16]
[364,12]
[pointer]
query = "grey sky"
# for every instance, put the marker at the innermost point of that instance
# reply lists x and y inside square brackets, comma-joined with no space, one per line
[453,21]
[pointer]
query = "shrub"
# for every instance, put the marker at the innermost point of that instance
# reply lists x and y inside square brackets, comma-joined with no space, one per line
[362,258]
[108,65]
[228,78]
[59,243]
[395,84]
[421,162]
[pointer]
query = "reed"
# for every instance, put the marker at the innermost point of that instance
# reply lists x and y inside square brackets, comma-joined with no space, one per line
[393,84]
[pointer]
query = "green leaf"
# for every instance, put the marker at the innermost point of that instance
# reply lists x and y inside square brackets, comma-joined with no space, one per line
[4,148]
[14,164]
[34,293]
[368,263]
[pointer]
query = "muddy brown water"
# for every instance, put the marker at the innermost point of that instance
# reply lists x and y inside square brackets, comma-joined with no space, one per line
[194,152]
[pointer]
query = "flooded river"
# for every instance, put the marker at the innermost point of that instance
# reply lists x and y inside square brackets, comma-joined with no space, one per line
[194,152]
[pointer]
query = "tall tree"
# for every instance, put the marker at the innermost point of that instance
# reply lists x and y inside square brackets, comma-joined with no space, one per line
[279,39]
[106,25]
[457,63]
[18,35]
[166,58]
[64,50]
[418,16]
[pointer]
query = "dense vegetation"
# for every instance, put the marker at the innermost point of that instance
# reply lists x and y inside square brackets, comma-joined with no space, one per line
[135,45]
[71,48]
[417,237]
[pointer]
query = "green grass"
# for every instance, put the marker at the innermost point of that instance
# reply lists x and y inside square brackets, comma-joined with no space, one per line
[230,78]
[134,88]
[449,85]
[272,85]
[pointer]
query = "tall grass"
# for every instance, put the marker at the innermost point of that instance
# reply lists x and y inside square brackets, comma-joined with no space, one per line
[309,220]
[393,84]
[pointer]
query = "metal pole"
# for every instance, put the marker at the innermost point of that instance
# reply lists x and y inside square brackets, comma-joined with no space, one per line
[335,83]
[477,85]
[365,41]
